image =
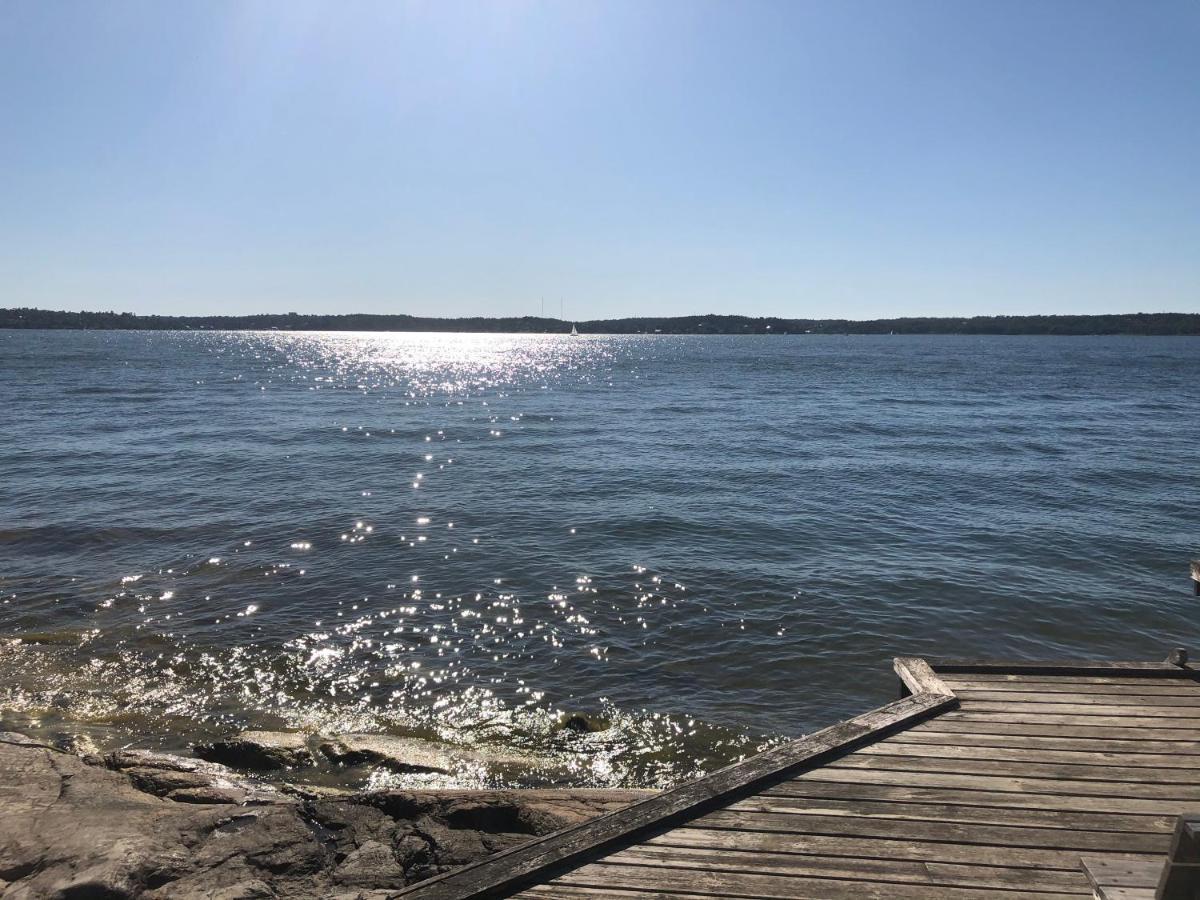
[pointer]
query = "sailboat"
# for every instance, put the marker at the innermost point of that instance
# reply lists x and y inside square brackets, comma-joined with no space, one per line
[574,330]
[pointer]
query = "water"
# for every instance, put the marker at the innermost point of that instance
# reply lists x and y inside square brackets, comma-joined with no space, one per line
[700,544]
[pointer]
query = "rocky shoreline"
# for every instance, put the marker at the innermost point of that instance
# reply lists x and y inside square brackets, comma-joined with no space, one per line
[141,824]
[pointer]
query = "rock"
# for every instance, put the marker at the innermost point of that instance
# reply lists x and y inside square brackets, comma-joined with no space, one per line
[262,750]
[12,737]
[399,753]
[185,780]
[446,829]
[79,744]
[581,724]
[407,754]
[253,889]
[70,829]
[206,794]
[369,865]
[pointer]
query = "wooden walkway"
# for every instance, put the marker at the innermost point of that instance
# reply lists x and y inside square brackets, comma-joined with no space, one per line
[989,780]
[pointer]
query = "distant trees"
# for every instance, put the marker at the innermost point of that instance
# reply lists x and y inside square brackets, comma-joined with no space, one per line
[1131,323]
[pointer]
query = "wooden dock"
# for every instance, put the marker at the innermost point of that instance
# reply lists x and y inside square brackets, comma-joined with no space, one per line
[985,780]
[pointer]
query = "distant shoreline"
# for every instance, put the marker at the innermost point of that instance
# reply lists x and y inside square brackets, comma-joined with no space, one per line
[1117,324]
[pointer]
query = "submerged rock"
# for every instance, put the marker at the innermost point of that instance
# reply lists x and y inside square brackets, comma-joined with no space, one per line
[261,750]
[79,744]
[582,724]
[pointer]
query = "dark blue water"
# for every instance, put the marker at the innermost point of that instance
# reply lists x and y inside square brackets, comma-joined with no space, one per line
[700,543]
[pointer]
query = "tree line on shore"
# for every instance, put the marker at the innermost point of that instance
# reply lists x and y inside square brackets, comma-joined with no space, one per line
[1128,323]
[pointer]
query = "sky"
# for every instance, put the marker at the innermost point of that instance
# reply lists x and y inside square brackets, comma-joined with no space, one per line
[806,159]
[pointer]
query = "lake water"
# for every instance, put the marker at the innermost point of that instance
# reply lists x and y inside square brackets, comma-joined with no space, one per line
[701,544]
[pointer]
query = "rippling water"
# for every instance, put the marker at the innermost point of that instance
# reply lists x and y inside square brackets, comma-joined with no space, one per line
[698,544]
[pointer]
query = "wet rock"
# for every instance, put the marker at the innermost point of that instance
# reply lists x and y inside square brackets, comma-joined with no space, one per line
[184,779]
[401,754]
[415,755]
[581,724]
[317,791]
[12,737]
[261,750]
[79,744]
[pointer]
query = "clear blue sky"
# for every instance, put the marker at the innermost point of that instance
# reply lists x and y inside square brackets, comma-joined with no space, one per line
[796,158]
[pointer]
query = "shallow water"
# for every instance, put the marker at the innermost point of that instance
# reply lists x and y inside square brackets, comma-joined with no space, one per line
[702,544]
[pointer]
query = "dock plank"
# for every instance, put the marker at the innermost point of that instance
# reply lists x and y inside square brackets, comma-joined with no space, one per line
[992,725]
[875,848]
[849,868]
[1029,754]
[1114,879]
[1077,707]
[957,813]
[743,886]
[1077,788]
[930,829]
[1182,680]
[999,715]
[1185,689]
[1118,775]
[1085,700]
[854,789]
[1128,746]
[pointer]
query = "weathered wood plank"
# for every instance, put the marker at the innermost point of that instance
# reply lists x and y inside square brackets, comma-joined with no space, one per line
[916,675]
[1183,679]
[1155,761]
[1045,880]
[1086,699]
[978,815]
[573,892]
[810,890]
[1122,879]
[849,868]
[1067,667]
[910,848]
[1024,717]
[995,836]
[766,887]
[1103,871]
[1181,689]
[1067,787]
[509,869]
[789,864]
[1124,893]
[954,722]
[1189,716]
[1066,771]
[853,789]
[1129,748]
